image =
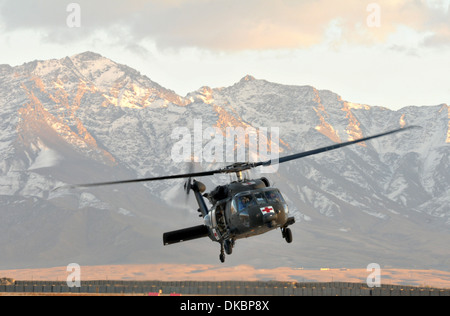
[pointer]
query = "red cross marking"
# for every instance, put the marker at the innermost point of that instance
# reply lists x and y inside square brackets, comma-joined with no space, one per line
[267,209]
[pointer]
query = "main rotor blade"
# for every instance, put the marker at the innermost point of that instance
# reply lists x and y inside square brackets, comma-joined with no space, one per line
[178,176]
[327,148]
[240,167]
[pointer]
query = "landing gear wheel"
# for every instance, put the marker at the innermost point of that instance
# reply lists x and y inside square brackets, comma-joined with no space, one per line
[287,235]
[228,245]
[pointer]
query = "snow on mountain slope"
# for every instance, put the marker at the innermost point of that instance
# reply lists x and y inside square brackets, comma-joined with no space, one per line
[86,118]
[407,169]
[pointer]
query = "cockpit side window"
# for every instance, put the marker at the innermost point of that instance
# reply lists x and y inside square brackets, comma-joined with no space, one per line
[233,207]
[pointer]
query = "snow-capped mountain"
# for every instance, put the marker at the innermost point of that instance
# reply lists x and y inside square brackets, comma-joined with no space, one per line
[86,119]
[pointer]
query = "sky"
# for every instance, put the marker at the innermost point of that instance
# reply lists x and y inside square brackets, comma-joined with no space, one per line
[391,53]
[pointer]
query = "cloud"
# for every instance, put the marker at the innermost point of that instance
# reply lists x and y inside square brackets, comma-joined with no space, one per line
[230,25]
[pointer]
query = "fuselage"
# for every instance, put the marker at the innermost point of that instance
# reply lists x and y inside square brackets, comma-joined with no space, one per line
[249,208]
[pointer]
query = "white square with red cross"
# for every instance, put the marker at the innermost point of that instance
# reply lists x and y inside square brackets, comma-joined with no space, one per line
[267,210]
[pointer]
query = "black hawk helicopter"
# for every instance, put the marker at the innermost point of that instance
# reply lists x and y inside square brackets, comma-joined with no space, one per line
[242,208]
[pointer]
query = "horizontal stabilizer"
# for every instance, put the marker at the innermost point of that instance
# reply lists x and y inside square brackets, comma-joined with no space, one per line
[185,234]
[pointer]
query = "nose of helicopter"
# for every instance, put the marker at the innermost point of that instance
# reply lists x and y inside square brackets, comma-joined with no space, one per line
[270,219]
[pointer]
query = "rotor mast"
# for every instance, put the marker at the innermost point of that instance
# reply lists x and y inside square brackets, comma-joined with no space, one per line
[239,168]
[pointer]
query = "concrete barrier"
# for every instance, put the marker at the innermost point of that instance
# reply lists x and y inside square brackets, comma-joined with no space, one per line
[240,288]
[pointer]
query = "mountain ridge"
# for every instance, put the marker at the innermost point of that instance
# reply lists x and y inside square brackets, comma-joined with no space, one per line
[93,119]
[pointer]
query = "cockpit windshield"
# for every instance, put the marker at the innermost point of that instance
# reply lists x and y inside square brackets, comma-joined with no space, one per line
[274,196]
[244,200]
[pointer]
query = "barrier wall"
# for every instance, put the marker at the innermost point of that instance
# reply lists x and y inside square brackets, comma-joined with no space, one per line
[239,288]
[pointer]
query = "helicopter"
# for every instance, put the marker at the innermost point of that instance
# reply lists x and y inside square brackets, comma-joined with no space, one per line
[242,208]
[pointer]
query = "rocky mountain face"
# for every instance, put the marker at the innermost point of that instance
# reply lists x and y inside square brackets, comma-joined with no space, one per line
[86,119]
